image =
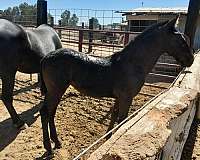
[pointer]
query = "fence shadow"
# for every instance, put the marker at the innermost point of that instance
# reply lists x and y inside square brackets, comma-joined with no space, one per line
[189,145]
[26,88]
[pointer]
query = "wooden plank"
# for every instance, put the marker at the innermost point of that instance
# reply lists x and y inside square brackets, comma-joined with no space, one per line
[153,78]
[190,79]
[155,86]
[159,64]
[180,126]
[143,136]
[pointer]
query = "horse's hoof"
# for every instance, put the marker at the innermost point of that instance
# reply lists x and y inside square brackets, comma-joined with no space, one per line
[50,155]
[58,146]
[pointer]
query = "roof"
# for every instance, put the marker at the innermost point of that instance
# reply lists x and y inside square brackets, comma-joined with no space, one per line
[152,10]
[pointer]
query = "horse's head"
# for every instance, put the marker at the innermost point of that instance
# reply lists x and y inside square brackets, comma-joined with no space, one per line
[177,44]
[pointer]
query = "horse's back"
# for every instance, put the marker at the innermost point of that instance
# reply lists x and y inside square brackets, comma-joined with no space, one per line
[90,75]
[72,57]
[9,30]
[45,39]
[12,41]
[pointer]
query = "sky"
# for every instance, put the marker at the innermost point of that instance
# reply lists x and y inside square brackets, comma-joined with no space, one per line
[100,4]
[103,10]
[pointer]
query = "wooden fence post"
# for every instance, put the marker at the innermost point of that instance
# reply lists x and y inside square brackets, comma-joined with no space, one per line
[82,25]
[59,31]
[52,21]
[41,16]
[41,12]
[126,38]
[80,44]
[192,18]
[91,26]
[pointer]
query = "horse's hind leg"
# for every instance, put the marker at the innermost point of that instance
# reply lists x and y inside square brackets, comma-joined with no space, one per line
[47,112]
[8,81]
[53,103]
[45,119]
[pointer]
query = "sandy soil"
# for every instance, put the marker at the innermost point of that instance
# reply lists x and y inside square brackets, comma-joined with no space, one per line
[80,121]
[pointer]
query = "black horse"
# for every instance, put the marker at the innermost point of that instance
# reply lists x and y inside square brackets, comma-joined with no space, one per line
[22,50]
[120,75]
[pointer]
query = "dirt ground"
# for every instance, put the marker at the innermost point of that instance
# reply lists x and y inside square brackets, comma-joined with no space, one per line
[80,120]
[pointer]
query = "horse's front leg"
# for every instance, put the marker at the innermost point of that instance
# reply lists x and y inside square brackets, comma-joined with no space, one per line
[120,110]
[124,105]
[114,116]
[8,81]
[54,101]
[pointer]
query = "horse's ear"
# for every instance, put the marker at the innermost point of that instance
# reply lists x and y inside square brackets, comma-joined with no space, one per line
[170,26]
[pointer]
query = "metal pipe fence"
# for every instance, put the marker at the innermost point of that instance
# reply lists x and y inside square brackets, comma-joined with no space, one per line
[22,17]
[105,18]
[106,42]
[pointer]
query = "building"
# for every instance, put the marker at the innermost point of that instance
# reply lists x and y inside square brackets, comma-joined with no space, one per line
[140,18]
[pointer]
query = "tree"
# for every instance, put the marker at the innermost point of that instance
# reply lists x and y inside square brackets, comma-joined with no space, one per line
[115,25]
[16,14]
[68,20]
[27,9]
[73,20]
[49,18]
[95,22]
[11,14]
[23,13]
[28,13]
[65,17]
[8,11]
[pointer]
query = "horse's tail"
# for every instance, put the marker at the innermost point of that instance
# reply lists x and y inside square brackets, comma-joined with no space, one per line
[43,87]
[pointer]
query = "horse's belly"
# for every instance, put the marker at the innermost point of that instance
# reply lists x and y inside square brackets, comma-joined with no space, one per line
[94,90]
[28,69]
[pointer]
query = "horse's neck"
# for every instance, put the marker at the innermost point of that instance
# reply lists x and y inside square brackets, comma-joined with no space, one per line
[144,54]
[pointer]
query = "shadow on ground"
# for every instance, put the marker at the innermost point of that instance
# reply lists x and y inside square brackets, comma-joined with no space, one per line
[8,132]
[189,145]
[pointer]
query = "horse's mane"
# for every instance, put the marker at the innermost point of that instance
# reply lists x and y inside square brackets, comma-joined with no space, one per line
[153,27]
[140,36]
